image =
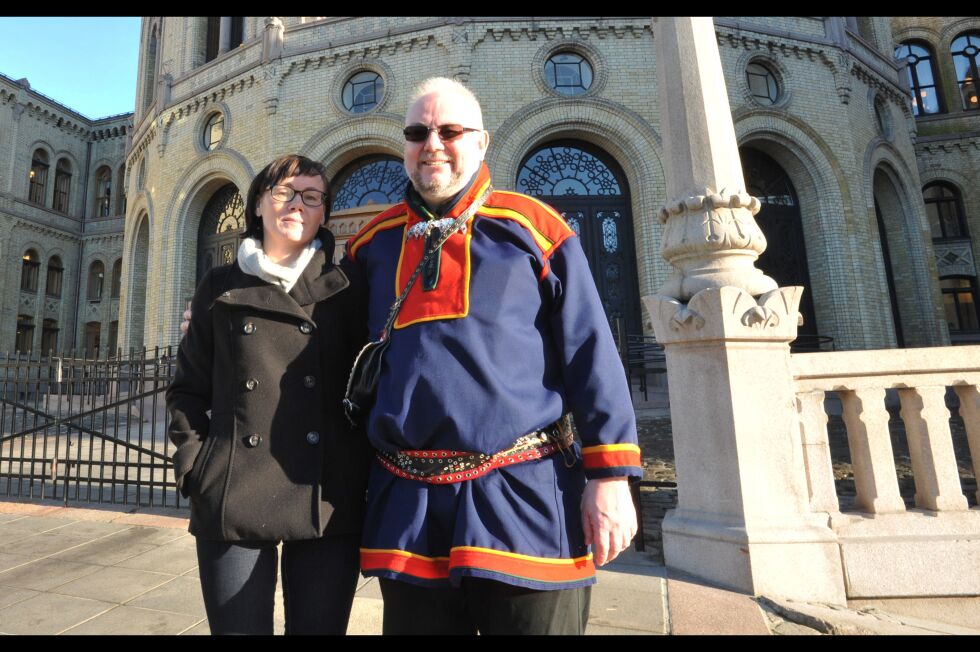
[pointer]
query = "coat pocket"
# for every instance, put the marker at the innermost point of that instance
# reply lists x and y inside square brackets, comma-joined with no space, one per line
[193,480]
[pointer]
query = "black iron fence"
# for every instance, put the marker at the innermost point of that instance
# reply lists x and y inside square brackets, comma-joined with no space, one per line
[87,430]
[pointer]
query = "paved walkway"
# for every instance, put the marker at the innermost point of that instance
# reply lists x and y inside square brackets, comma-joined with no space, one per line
[118,571]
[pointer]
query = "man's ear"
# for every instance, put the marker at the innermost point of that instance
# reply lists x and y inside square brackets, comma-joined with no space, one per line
[484,143]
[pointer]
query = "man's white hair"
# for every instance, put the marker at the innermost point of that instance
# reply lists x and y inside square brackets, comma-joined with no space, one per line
[446,85]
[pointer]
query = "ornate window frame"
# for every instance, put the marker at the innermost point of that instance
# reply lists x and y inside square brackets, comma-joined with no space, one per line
[587,51]
[353,68]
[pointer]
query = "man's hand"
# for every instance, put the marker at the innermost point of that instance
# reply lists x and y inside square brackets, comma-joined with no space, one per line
[608,517]
[184,325]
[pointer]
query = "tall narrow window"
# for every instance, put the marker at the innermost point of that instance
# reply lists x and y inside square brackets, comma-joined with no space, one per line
[121,192]
[55,272]
[28,271]
[922,76]
[944,208]
[237,32]
[103,192]
[960,304]
[150,70]
[62,185]
[212,38]
[25,333]
[113,338]
[93,334]
[965,49]
[39,177]
[116,278]
[96,280]
[49,336]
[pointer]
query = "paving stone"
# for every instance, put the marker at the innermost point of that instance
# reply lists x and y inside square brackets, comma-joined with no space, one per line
[113,584]
[6,518]
[45,574]
[106,551]
[370,588]
[48,613]
[632,601]
[603,630]
[43,545]
[8,561]
[92,528]
[175,558]
[35,524]
[366,616]
[200,629]
[700,609]
[10,595]
[180,595]
[133,620]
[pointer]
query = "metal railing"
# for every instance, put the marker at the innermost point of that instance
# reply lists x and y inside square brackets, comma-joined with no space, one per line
[87,429]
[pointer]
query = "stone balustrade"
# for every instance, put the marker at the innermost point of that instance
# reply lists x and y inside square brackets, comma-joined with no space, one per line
[933,548]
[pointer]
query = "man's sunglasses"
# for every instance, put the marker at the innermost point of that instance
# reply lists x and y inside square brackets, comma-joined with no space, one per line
[447,133]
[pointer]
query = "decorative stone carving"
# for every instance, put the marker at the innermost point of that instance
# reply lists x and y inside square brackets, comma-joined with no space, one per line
[954,258]
[726,313]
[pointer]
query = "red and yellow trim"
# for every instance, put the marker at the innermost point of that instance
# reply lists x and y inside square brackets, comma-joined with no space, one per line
[545,225]
[394,217]
[540,569]
[400,561]
[609,455]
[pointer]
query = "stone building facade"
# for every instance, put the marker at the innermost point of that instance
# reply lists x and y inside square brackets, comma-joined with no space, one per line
[829,140]
[61,224]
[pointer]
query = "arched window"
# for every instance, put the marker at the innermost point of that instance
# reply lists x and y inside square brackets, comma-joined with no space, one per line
[96,280]
[922,76]
[55,272]
[62,185]
[965,50]
[150,69]
[25,333]
[39,177]
[49,336]
[221,230]
[103,192]
[28,271]
[116,278]
[370,180]
[944,207]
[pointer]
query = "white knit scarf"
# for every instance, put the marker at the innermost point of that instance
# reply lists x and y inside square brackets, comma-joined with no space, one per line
[252,260]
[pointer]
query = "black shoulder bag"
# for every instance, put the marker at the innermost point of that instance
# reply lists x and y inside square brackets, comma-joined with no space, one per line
[362,384]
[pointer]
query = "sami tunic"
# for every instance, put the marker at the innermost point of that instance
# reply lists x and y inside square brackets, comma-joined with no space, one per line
[511,337]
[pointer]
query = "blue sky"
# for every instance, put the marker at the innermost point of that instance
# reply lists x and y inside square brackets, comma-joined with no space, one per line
[86,63]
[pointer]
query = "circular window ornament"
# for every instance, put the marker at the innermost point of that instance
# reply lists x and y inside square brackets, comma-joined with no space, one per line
[214,131]
[363,91]
[568,73]
[763,84]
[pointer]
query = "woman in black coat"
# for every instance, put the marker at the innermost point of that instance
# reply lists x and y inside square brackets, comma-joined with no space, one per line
[263,448]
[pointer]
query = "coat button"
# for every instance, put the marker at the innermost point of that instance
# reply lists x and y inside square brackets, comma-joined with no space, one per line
[251,384]
[305,328]
[309,381]
[313,437]
[254,440]
[248,328]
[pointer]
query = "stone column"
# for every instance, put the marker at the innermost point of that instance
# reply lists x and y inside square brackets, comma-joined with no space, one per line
[224,34]
[272,40]
[743,518]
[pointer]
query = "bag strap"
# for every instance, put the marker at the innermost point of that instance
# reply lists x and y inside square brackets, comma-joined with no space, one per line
[445,235]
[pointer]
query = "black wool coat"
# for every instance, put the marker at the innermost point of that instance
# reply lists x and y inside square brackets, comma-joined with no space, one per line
[276,458]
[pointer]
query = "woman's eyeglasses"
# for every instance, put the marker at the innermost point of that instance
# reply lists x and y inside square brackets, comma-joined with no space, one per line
[447,133]
[309,197]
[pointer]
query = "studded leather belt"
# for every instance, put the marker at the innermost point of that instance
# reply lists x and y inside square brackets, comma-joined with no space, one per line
[449,466]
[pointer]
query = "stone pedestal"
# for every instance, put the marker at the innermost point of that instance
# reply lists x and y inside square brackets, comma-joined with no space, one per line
[743,519]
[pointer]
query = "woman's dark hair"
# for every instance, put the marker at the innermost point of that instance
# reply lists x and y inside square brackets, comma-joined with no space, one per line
[287,165]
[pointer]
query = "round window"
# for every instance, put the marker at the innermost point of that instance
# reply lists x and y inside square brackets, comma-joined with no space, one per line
[363,91]
[214,130]
[762,83]
[568,73]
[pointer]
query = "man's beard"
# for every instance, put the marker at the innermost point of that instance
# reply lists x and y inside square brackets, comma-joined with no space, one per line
[436,188]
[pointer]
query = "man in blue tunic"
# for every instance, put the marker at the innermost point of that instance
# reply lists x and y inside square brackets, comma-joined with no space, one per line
[480,510]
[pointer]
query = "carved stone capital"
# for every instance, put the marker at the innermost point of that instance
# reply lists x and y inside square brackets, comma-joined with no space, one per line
[713,240]
[726,313]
